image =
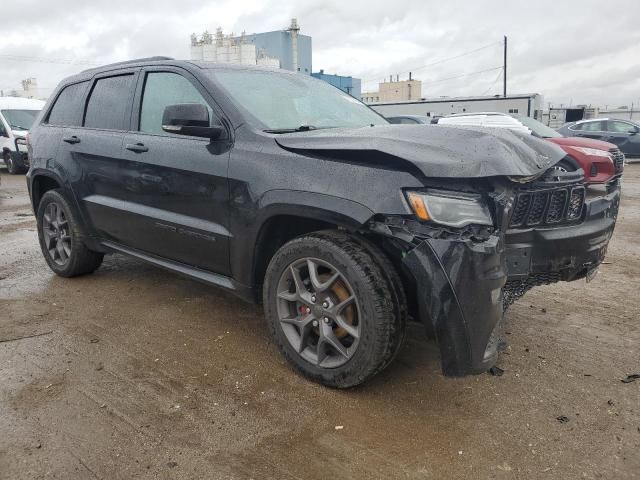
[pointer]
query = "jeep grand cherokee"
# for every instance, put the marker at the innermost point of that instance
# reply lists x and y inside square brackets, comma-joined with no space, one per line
[285,190]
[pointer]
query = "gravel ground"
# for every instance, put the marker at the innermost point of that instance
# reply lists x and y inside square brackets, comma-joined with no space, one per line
[138,373]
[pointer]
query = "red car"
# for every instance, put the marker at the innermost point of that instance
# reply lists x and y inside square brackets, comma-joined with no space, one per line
[600,161]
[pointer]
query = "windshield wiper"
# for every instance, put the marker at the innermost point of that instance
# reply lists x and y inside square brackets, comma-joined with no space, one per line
[18,127]
[301,128]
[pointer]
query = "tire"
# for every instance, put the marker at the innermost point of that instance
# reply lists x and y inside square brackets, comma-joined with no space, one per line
[11,164]
[376,314]
[69,257]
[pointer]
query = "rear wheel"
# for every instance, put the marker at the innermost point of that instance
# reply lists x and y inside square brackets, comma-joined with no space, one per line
[332,311]
[61,238]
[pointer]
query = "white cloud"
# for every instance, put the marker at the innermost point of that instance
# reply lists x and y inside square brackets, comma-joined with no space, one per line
[569,51]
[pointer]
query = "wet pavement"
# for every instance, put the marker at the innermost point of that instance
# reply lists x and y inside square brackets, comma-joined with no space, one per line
[138,373]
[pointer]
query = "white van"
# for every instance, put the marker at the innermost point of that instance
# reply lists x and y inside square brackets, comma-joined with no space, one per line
[16,116]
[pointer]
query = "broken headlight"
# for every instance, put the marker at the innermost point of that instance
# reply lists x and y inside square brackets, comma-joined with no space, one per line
[450,208]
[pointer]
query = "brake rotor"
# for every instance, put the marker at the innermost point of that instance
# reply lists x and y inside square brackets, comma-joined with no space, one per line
[340,293]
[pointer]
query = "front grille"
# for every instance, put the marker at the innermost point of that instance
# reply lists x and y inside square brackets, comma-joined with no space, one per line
[618,159]
[548,207]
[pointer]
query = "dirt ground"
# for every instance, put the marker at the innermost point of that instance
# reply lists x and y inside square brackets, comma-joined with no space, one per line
[138,373]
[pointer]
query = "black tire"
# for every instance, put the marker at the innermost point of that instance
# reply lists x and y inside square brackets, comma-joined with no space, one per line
[12,167]
[79,259]
[381,304]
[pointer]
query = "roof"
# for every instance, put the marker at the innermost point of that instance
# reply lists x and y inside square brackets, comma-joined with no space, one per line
[485,120]
[20,103]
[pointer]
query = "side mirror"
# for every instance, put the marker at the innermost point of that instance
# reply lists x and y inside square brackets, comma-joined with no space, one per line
[633,130]
[190,119]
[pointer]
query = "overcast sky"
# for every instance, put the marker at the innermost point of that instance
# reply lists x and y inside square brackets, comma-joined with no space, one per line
[577,51]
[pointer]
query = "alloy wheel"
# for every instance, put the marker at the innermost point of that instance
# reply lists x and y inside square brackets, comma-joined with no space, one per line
[55,228]
[319,312]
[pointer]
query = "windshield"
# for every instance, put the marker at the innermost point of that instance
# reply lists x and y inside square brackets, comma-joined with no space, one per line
[20,119]
[538,129]
[290,102]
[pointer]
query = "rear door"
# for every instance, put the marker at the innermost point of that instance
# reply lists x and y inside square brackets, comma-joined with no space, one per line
[177,187]
[93,153]
[624,135]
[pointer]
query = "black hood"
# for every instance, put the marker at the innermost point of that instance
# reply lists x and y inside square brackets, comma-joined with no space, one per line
[436,150]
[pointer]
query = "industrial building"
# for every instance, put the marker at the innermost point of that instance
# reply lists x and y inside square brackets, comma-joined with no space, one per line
[395,91]
[350,85]
[530,105]
[30,89]
[286,48]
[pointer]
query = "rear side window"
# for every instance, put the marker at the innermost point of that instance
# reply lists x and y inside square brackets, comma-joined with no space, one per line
[589,127]
[67,110]
[109,103]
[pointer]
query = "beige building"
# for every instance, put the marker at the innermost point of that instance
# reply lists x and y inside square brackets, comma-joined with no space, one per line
[395,91]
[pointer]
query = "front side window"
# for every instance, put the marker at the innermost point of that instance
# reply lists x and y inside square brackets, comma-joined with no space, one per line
[162,89]
[619,127]
[276,101]
[109,103]
[592,127]
[66,111]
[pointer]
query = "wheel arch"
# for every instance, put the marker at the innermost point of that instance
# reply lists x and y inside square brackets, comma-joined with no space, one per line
[285,215]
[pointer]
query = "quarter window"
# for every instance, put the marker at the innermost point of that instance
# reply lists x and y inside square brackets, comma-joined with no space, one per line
[108,105]
[66,111]
[162,89]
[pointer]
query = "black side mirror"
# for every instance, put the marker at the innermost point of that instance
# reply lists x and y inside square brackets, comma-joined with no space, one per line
[190,119]
[633,130]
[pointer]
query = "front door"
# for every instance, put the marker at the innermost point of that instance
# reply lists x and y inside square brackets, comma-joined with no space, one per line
[624,135]
[177,186]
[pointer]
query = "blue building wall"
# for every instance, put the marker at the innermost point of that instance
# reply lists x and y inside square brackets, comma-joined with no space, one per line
[350,85]
[278,44]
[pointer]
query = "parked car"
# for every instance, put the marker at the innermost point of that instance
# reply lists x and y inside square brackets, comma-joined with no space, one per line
[413,119]
[601,162]
[16,117]
[625,134]
[287,191]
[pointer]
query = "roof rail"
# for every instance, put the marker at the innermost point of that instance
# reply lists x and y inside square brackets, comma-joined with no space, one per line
[126,62]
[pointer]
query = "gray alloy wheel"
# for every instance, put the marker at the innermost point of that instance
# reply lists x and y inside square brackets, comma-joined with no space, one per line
[57,238]
[318,312]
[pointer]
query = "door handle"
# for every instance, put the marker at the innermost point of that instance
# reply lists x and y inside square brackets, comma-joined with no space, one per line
[137,147]
[72,139]
[151,178]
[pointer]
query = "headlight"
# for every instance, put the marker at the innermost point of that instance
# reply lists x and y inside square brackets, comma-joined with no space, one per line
[592,151]
[449,208]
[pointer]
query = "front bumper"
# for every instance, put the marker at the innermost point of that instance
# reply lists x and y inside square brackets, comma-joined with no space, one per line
[20,155]
[459,291]
[565,252]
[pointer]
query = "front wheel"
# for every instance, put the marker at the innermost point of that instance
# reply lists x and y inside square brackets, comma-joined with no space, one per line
[61,238]
[11,164]
[333,311]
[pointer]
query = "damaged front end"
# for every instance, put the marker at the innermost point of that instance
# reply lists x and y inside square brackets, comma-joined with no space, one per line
[464,271]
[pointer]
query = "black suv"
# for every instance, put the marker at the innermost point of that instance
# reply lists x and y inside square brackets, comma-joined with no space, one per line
[285,190]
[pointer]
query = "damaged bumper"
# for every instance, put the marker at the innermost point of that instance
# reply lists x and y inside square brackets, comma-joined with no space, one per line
[459,290]
[544,255]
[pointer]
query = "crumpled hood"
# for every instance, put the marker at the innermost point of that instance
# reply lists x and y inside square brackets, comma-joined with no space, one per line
[438,151]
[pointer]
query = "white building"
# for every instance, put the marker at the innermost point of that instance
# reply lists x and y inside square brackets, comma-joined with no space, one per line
[30,89]
[229,49]
[530,105]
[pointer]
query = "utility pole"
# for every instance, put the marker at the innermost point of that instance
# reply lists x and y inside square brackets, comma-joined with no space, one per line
[504,69]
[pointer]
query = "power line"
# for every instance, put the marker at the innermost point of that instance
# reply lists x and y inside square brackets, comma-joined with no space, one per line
[65,61]
[493,84]
[463,75]
[438,62]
